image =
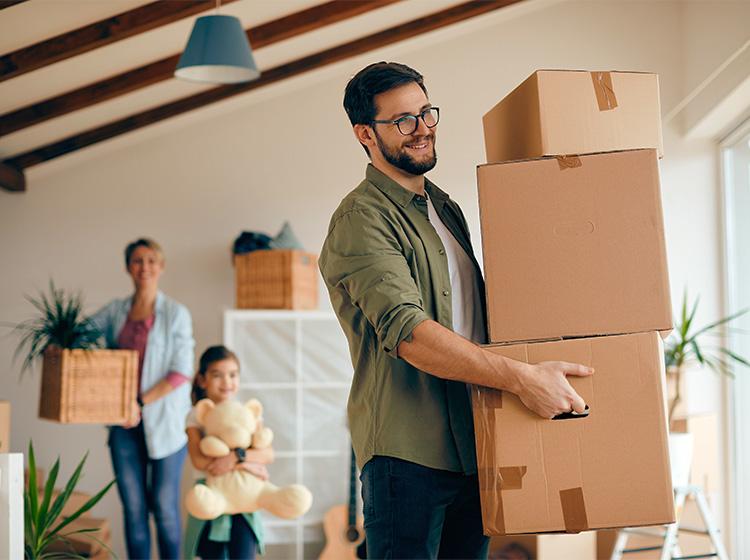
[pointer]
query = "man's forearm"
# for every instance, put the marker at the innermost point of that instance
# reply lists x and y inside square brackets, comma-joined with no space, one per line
[441,352]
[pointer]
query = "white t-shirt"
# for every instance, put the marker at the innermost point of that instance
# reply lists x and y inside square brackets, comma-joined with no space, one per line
[191,421]
[465,288]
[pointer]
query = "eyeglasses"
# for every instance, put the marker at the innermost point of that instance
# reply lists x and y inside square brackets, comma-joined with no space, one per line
[409,123]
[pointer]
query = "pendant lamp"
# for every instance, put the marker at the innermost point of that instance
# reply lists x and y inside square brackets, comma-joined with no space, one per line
[217,52]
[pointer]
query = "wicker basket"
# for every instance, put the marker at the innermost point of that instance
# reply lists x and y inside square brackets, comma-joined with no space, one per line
[88,386]
[276,279]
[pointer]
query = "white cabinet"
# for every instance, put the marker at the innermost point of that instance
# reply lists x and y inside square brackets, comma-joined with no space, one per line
[297,364]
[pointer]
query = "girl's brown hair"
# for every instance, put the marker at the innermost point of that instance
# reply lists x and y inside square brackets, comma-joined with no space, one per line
[211,355]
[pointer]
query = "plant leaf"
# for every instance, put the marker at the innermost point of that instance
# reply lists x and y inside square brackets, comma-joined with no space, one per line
[697,352]
[64,496]
[720,322]
[32,489]
[60,321]
[734,356]
[689,321]
[49,487]
[84,508]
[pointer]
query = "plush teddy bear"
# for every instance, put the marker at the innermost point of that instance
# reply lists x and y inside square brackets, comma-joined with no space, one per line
[227,426]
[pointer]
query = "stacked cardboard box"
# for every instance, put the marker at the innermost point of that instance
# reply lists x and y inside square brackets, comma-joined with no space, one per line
[575,263]
[4,427]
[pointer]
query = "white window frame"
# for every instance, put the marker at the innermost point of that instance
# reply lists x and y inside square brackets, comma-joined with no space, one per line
[737,418]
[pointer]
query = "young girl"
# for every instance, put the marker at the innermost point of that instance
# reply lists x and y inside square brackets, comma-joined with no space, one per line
[236,536]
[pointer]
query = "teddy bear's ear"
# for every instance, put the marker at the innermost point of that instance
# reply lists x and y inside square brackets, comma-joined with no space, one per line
[202,408]
[255,407]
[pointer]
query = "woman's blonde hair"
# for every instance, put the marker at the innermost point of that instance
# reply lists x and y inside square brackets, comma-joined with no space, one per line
[142,242]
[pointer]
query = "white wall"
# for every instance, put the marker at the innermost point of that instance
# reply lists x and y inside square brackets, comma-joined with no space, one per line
[288,153]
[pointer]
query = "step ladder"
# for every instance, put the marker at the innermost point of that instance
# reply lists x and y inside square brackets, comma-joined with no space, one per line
[670,549]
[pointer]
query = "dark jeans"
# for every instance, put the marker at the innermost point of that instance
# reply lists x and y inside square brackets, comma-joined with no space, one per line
[241,545]
[413,511]
[147,485]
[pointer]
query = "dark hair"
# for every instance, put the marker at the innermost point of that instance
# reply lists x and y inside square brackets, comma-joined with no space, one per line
[211,355]
[377,78]
[142,242]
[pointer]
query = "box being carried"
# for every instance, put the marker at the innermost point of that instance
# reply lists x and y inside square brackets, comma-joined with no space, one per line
[559,112]
[608,469]
[88,386]
[574,247]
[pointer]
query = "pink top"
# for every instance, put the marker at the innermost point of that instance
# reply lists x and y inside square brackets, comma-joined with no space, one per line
[134,336]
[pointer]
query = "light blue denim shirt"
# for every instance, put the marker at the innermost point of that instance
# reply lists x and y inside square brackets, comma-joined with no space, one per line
[170,347]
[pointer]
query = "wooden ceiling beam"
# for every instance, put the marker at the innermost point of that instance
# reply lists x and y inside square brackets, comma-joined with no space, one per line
[99,34]
[11,178]
[260,36]
[401,32]
[8,3]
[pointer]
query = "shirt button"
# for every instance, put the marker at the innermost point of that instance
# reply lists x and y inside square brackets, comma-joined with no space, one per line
[445,292]
[441,251]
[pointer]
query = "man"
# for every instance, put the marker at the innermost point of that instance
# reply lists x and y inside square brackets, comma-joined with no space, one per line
[409,295]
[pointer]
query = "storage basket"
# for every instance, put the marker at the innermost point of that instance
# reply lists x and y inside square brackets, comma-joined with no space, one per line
[276,279]
[88,386]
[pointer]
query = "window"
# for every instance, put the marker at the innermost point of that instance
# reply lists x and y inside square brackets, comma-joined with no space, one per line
[736,184]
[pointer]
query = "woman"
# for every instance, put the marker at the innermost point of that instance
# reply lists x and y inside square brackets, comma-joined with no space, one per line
[149,450]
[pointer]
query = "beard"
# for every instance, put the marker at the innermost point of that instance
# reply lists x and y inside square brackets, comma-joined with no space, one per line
[399,158]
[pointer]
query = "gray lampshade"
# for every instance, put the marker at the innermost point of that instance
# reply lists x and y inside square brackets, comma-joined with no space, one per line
[217,52]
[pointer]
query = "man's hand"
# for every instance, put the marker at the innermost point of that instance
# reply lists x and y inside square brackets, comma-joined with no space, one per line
[222,465]
[545,390]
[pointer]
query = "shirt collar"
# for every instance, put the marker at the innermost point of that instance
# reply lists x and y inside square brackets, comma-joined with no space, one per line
[401,195]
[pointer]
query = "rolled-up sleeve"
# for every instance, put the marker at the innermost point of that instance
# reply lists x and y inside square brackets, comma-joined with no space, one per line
[363,257]
[181,360]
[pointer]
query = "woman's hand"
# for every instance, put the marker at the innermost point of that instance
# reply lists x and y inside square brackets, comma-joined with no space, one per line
[256,469]
[134,418]
[222,465]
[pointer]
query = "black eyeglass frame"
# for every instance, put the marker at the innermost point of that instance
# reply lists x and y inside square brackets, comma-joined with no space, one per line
[415,120]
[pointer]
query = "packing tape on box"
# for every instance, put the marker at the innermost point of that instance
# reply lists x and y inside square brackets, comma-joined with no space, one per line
[605,93]
[495,480]
[574,510]
[568,162]
[493,398]
[511,478]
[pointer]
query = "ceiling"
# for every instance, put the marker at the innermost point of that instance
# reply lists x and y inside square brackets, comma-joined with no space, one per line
[74,73]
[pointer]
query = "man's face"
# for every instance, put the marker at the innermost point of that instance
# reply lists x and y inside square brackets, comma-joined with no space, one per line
[414,153]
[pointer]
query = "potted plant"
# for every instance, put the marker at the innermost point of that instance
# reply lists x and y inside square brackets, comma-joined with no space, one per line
[47,533]
[685,346]
[81,383]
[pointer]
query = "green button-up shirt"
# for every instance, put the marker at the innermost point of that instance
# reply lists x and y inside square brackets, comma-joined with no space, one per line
[386,272]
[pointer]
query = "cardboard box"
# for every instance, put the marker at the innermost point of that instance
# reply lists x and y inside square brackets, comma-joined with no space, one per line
[76,501]
[87,544]
[544,547]
[563,112]
[4,427]
[574,251]
[609,469]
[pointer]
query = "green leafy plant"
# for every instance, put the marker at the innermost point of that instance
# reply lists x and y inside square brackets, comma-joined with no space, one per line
[60,322]
[686,345]
[43,523]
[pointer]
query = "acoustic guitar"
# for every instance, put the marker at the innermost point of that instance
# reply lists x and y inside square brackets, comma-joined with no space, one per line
[343,527]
